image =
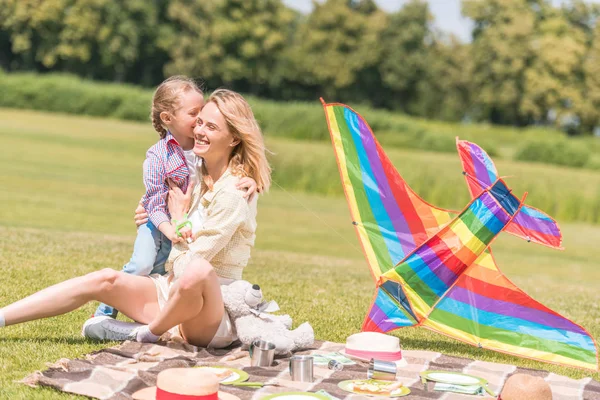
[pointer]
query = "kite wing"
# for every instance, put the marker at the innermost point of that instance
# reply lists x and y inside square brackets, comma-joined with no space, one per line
[390,219]
[485,309]
[530,223]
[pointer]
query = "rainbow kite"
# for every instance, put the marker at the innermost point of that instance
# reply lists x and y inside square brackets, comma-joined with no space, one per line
[434,267]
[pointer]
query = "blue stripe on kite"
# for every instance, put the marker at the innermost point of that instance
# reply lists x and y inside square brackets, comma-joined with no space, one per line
[381,216]
[503,195]
[421,268]
[532,212]
[513,324]
[436,264]
[394,290]
[390,308]
[395,214]
[483,211]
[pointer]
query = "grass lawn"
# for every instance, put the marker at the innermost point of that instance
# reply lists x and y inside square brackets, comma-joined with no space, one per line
[69,186]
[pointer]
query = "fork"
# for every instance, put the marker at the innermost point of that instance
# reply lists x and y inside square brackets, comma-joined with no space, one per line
[256,384]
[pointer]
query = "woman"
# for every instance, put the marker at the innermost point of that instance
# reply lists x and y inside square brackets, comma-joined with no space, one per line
[187,300]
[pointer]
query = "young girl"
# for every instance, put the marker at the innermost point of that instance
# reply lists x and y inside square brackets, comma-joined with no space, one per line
[175,107]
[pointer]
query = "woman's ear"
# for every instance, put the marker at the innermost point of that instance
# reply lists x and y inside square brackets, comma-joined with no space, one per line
[165,117]
[234,143]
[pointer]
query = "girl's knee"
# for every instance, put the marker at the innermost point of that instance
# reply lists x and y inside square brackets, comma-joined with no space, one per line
[197,273]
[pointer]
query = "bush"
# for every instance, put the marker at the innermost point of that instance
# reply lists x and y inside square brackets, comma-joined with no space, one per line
[298,120]
[560,152]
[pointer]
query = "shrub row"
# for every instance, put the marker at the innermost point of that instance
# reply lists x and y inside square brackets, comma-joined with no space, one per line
[552,151]
[297,120]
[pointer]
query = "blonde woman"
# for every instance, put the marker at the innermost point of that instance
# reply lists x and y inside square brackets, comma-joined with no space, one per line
[188,300]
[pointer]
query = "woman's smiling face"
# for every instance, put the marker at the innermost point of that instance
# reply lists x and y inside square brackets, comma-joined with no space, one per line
[212,135]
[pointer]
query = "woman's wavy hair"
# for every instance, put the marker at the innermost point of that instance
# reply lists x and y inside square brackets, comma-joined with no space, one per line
[248,157]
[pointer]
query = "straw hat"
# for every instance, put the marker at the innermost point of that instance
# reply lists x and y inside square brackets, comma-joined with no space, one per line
[184,381]
[523,386]
[364,346]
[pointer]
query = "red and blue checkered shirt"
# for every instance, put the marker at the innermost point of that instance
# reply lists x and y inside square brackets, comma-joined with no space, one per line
[163,160]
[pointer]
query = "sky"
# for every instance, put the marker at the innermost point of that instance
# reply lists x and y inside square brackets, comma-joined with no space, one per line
[446,13]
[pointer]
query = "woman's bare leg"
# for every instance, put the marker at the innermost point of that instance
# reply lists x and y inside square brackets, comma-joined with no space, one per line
[134,296]
[195,303]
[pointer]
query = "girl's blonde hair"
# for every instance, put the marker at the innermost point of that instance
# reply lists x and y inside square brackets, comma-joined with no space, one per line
[248,157]
[166,98]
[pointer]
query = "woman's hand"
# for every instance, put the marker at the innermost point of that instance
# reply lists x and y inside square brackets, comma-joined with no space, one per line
[249,184]
[177,202]
[141,216]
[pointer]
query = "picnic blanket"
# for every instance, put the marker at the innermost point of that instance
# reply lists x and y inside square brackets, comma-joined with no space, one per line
[116,373]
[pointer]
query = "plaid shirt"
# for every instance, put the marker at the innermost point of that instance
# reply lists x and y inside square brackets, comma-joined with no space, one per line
[163,160]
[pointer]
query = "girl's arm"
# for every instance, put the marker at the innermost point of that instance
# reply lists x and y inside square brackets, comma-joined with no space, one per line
[250,185]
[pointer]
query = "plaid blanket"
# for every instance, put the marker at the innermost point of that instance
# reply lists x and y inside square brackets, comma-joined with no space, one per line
[116,373]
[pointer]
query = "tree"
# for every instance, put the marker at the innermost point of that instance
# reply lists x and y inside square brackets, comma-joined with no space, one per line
[232,42]
[589,108]
[338,48]
[105,35]
[404,56]
[444,91]
[33,28]
[552,81]
[501,53]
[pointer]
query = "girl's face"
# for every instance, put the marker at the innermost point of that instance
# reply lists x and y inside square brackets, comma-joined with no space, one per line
[212,135]
[183,119]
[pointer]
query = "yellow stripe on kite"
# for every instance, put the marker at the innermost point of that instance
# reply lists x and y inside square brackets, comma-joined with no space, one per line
[467,237]
[442,217]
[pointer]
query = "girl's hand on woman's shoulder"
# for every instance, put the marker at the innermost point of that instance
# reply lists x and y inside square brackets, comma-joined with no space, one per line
[250,185]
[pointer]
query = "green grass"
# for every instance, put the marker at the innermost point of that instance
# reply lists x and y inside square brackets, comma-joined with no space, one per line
[69,185]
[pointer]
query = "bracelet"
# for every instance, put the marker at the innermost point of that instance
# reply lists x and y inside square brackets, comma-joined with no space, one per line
[180,224]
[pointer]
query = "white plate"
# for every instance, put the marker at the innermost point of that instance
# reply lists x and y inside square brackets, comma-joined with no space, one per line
[234,377]
[453,378]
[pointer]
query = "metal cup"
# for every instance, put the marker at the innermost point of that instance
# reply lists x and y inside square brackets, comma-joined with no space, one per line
[262,353]
[383,370]
[301,368]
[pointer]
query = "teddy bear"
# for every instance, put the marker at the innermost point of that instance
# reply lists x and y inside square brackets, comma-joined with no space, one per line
[253,320]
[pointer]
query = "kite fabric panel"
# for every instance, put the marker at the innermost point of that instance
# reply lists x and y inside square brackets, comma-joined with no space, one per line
[390,219]
[484,308]
[434,268]
[530,223]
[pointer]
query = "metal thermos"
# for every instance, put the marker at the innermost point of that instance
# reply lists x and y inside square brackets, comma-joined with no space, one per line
[383,370]
[301,368]
[262,353]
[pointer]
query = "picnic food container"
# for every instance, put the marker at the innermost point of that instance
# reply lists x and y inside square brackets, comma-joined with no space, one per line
[262,353]
[382,370]
[301,368]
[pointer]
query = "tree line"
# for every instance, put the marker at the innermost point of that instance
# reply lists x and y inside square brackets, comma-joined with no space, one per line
[528,62]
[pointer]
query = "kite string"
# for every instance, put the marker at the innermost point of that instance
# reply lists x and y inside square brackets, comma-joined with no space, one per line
[317,217]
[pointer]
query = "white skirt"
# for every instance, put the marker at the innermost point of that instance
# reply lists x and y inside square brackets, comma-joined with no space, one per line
[225,334]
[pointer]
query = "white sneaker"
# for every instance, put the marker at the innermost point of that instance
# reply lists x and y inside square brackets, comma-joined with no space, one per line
[107,328]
